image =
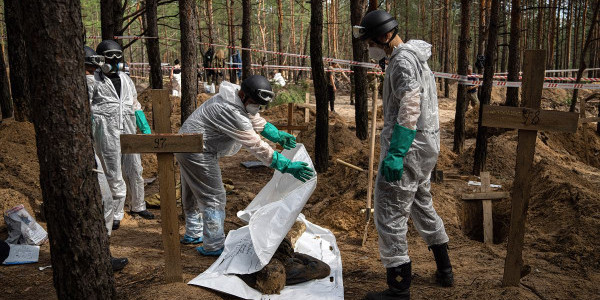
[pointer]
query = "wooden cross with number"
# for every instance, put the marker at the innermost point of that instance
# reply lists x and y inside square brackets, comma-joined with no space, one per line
[164,144]
[528,119]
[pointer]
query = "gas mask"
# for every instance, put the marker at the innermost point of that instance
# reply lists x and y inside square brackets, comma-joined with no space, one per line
[377,53]
[252,109]
[112,67]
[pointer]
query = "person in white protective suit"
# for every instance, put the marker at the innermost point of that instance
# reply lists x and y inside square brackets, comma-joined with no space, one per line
[116,111]
[228,121]
[410,144]
[92,62]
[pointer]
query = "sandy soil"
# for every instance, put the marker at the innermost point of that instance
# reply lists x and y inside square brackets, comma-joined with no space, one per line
[562,237]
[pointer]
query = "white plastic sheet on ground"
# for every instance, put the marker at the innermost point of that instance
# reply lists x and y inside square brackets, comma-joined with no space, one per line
[271,215]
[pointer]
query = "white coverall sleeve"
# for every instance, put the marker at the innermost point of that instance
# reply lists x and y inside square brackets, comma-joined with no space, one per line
[407,90]
[258,123]
[239,128]
[136,104]
[91,84]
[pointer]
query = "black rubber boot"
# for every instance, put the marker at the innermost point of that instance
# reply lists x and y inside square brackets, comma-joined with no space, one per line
[398,280]
[118,263]
[443,275]
[116,224]
[144,214]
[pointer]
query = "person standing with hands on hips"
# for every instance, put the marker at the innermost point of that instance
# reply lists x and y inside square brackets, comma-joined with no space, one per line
[410,144]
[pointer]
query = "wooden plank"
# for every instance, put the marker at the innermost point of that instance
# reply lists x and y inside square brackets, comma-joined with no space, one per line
[161,143]
[529,119]
[349,165]
[488,222]
[589,120]
[161,109]
[533,80]
[486,196]
[306,110]
[290,120]
[169,218]
[584,132]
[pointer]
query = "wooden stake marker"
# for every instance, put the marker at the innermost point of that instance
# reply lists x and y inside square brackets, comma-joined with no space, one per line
[528,120]
[370,187]
[486,197]
[290,122]
[164,145]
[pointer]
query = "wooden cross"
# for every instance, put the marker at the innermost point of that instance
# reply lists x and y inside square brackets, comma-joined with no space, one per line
[290,121]
[164,144]
[528,119]
[486,196]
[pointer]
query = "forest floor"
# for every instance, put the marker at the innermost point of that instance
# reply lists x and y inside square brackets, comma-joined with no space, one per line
[562,239]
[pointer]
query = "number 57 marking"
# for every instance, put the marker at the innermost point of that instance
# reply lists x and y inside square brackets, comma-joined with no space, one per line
[159,143]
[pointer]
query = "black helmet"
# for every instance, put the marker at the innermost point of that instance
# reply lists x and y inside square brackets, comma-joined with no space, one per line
[110,49]
[375,24]
[92,58]
[258,88]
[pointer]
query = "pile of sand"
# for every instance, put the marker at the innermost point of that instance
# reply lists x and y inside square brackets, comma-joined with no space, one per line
[19,168]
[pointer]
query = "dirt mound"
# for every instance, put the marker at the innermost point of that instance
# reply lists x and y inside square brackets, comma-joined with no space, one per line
[19,168]
[446,157]
[341,192]
[564,213]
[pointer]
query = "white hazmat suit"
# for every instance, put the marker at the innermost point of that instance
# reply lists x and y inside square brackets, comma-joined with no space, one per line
[226,127]
[410,100]
[107,199]
[113,116]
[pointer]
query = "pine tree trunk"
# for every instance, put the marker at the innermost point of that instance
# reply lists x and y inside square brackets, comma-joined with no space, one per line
[6,104]
[17,59]
[359,53]
[231,39]
[189,81]
[482,30]
[514,55]
[209,24]
[582,64]
[407,8]
[319,82]
[246,37]
[152,45]
[463,64]
[486,90]
[372,5]
[280,31]
[111,12]
[446,47]
[552,33]
[293,61]
[61,116]
[567,56]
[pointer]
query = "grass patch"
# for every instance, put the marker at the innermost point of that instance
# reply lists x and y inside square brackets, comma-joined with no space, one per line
[291,93]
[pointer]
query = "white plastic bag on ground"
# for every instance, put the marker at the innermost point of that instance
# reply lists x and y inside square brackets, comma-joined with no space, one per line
[271,215]
[22,227]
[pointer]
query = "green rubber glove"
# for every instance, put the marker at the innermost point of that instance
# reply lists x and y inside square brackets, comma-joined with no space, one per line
[393,164]
[142,123]
[300,170]
[286,140]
